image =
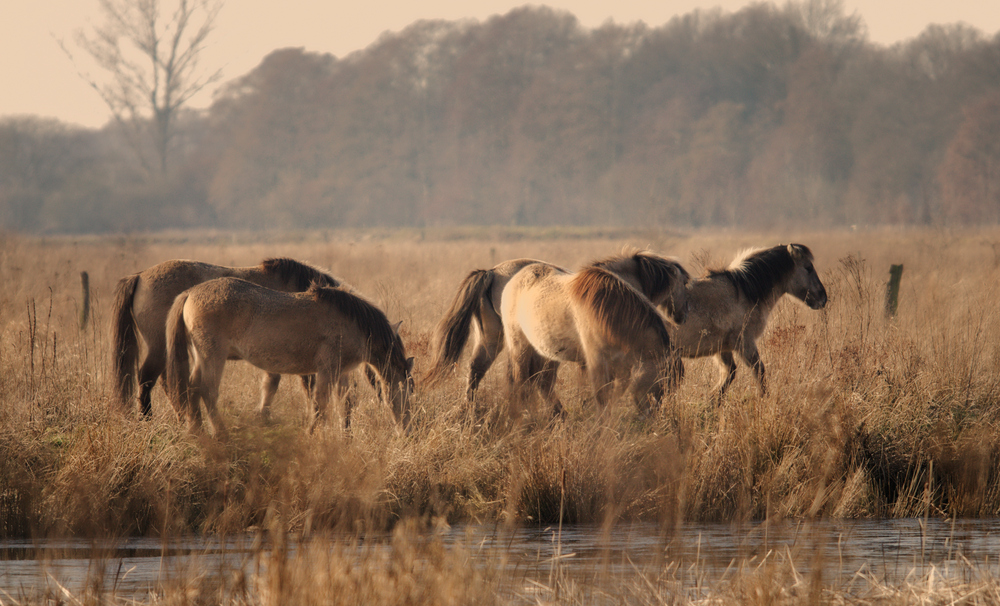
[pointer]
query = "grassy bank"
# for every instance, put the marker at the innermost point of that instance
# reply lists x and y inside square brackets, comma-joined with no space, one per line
[867,416]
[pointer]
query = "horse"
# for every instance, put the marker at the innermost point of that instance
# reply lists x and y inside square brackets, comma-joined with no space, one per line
[139,314]
[591,317]
[476,307]
[730,307]
[323,331]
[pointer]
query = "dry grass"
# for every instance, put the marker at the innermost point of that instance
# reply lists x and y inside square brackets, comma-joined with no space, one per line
[867,416]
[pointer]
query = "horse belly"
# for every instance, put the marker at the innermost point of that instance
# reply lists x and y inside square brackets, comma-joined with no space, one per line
[694,340]
[554,337]
[280,356]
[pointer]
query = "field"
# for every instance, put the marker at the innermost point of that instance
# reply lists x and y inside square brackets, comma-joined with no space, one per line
[867,415]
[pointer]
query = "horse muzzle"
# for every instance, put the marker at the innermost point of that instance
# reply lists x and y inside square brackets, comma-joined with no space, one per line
[816,302]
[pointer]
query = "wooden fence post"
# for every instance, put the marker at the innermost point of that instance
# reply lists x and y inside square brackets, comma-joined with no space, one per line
[85,308]
[892,290]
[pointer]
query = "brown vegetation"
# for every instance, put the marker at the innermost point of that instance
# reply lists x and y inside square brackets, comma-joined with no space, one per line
[867,416]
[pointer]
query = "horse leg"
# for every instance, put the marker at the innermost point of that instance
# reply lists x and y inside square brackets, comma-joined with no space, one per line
[345,394]
[647,389]
[268,387]
[321,394]
[545,382]
[521,358]
[749,354]
[489,344]
[151,369]
[602,381]
[308,383]
[209,381]
[727,368]
[191,401]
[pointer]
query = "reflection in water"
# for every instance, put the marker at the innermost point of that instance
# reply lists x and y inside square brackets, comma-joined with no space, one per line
[697,555]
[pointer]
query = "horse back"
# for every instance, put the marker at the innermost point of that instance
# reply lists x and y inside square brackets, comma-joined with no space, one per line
[158,286]
[286,333]
[502,274]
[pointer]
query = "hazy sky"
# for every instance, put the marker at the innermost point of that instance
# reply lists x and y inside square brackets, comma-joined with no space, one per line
[37,78]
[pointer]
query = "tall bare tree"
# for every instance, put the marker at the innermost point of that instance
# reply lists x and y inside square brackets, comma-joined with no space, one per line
[149,52]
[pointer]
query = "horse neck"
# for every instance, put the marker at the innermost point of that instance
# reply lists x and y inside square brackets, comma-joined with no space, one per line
[630,276]
[767,303]
[385,369]
[628,271]
[379,353]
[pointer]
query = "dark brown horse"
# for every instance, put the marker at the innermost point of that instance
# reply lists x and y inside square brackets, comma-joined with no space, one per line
[139,316]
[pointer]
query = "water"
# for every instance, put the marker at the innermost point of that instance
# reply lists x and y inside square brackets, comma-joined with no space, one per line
[886,550]
[695,554]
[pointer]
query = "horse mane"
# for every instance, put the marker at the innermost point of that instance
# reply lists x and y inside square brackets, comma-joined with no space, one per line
[369,318]
[653,272]
[619,308]
[297,273]
[756,271]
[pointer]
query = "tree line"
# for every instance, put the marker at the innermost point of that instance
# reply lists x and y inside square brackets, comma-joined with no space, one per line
[764,116]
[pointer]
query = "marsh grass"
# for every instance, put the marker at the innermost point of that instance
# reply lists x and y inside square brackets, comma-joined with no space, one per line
[867,415]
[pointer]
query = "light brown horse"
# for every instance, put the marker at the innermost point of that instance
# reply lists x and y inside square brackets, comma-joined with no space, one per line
[139,317]
[324,332]
[593,318]
[476,307]
[730,307]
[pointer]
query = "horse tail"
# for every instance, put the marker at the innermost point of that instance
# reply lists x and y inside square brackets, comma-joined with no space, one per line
[177,376]
[452,331]
[124,340]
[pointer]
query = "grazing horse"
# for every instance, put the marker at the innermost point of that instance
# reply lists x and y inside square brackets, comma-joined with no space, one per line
[323,331]
[139,315]
[730,307]
[476,307]
[593,318]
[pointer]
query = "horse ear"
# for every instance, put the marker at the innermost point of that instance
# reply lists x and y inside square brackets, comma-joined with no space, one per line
[409,363]
[395,327]
[799,252]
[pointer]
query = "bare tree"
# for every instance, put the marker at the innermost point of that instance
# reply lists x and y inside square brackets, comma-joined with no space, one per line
[149,52]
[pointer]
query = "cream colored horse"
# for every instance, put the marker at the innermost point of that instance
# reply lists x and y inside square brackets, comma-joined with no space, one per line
[730,307]
[323,331]
[475,309]
[593,318]
[139,316]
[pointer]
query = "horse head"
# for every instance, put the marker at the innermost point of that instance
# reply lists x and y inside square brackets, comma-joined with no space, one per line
[679,303]
[397,373]
[804,282]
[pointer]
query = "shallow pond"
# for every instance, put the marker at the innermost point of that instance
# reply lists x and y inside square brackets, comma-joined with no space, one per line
[695,555]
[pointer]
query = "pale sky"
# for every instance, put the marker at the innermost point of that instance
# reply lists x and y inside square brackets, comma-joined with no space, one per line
[37,78]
